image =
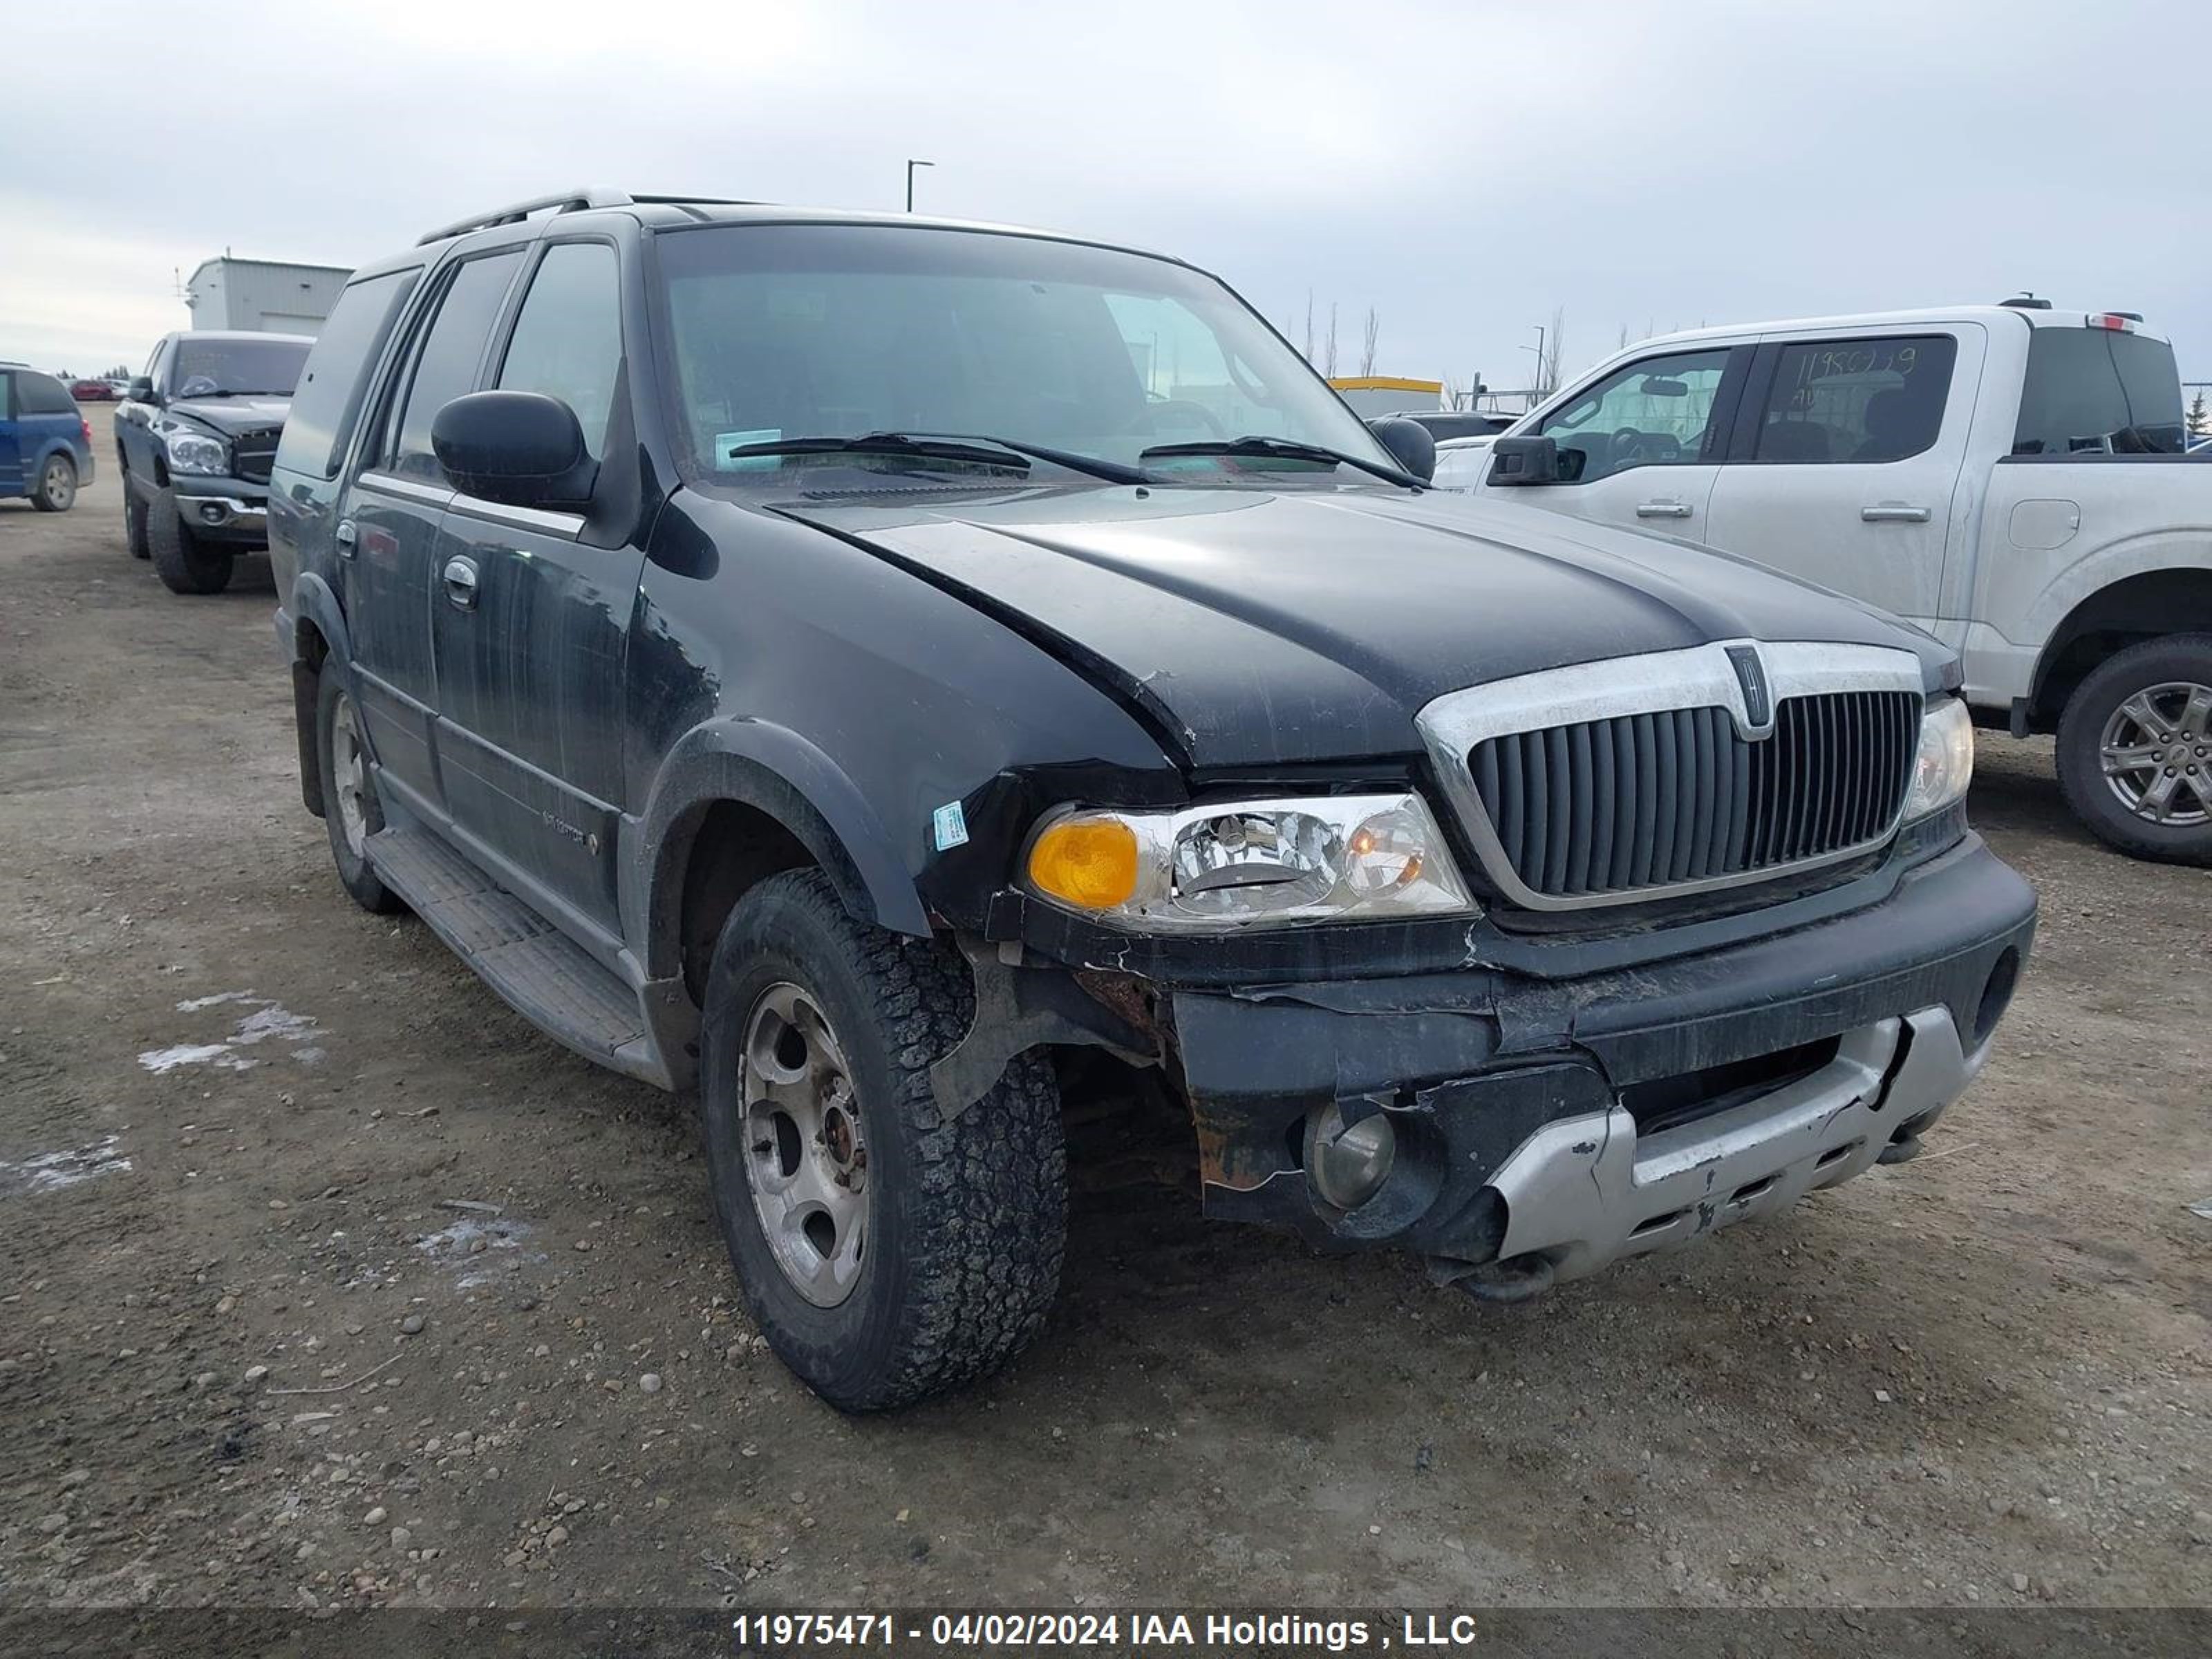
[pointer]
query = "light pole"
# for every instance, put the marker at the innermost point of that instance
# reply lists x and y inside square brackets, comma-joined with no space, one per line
[910,166]
[1539,350]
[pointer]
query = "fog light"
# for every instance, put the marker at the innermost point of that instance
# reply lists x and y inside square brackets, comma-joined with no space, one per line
[211,513]
[1349,1164]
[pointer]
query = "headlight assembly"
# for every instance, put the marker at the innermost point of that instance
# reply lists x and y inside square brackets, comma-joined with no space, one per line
[1248,864]
[1944,764]
[196,452]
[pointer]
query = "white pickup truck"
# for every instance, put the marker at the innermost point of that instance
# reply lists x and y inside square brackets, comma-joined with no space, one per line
[2010,478]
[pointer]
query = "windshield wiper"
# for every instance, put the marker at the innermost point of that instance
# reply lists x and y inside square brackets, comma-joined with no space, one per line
[886,443]
[1097,465]
[1005,453]
[1289,449]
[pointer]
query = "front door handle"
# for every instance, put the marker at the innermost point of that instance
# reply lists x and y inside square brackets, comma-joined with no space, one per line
[346,538]
[1894,513]
[461,583]
[1662,509]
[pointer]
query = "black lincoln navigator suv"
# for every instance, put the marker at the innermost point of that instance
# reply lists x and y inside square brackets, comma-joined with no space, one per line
[847,666]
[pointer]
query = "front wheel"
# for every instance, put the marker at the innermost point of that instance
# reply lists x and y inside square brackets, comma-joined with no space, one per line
[56,492]
[2135,750]
[183,564]
[886,1254]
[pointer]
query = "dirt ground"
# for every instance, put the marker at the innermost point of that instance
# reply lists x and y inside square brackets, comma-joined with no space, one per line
[331,1283]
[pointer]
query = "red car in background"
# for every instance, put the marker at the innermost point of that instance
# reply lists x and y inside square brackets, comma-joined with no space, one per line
[92,392]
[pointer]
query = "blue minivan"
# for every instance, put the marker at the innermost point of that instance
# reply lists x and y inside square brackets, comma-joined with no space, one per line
[45,446]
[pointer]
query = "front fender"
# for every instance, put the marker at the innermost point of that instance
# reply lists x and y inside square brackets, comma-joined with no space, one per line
[784,774]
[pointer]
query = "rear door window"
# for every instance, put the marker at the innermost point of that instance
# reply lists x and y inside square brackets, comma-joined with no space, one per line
[1857,400]
[42,394]
[7,396]
[2098,390]
[1658,412]
[329,398]
[567,341]
[452,354]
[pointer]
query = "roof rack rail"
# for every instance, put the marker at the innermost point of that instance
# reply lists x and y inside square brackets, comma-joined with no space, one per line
[568,201]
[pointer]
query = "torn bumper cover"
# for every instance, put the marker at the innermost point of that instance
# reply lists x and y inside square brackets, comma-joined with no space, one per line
[1567,1122]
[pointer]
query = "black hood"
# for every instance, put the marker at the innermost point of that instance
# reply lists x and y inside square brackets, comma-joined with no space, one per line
[231,415]
[1279,628]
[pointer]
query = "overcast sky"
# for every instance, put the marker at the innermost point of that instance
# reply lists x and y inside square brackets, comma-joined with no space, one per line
[1463,168]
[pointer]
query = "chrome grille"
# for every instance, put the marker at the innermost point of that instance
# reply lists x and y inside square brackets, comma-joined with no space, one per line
[1644,777]
[1677,795]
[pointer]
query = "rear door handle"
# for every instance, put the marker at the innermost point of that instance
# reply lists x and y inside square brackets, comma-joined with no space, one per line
[346,538]
[1892,513]
[1662,509]
[461,583]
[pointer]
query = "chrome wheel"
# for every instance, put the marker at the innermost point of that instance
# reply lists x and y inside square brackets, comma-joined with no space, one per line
[805,1163]
[60,485]
[350,775]
[2157,754]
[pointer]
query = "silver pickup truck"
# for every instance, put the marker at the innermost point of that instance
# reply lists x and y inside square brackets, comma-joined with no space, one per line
[2010,478]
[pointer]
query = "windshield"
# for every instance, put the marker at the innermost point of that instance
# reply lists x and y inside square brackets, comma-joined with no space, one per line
[221,369]
[782,332]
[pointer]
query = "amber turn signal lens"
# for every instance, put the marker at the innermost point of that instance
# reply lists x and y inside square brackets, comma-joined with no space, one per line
[1091,863]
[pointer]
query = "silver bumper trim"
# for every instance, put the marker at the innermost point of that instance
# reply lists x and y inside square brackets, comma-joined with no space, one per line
[1585,1191]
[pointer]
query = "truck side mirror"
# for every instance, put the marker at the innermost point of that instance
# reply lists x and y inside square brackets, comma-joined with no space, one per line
[141,390]
[1412,444]
[1524,461]
[518,448]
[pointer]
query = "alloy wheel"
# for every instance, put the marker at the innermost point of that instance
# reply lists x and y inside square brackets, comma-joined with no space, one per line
[350,777]
[805,1162]
[2156,752]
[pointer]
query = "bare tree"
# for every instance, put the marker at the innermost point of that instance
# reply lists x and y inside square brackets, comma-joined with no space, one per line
[1328,352]
[1370,331]
[1547,380]
[1307,349]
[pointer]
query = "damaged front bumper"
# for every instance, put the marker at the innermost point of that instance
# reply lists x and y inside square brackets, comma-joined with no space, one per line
[1562,1123]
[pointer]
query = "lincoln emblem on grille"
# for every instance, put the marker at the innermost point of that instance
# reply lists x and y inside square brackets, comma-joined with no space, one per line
[1758,707]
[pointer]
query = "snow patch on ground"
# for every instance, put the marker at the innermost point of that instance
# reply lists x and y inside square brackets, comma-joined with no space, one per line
[466,1242]
[51,1171]
[269,1020]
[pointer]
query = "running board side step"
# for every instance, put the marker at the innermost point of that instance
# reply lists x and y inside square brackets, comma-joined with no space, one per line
[537,970]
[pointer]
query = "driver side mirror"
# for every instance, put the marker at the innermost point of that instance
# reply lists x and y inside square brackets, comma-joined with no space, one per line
[1525,461]
[1412,444]
[517,448]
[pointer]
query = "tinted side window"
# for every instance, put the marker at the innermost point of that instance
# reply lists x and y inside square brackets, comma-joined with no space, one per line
[2097,390]
[567,341]
[1855,400]
[7,397]
[1658,412]
[445,368]
[332,386]
[42,394]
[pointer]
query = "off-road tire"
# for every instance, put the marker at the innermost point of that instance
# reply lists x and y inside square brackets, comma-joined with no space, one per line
[968,1218]
[134,521]
[184,566]
[2176,658]
[56,490]
[354,874]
